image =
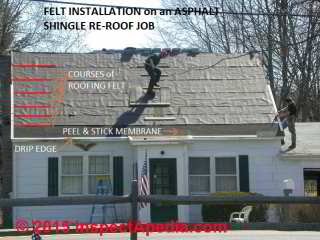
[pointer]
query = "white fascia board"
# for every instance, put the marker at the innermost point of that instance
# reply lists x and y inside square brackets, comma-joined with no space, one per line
[141,143]
[149,139]
[225,137]
[269,91]
[301,156]
[190,139]
[232,137]
[91,139]
[11,99]
[159,140]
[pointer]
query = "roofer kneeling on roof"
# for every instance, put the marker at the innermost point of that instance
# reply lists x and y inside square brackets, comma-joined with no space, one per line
[290,112]
[151,67]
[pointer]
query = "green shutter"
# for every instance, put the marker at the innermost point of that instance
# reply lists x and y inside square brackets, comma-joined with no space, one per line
[118,175]
[244,173]
[53,172]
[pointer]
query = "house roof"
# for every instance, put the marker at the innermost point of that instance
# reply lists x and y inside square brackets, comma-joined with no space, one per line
[308,141]
[201,90]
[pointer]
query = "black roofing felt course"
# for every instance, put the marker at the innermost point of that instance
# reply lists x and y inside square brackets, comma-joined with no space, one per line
[192,93]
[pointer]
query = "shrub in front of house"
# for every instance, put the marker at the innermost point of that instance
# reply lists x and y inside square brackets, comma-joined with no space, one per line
[298,213]
[306,213]
[222,212]
[7,220]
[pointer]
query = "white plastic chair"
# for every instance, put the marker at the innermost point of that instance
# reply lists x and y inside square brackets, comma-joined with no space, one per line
[241,217]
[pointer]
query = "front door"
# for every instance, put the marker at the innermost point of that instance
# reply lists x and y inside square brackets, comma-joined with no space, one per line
[163,180]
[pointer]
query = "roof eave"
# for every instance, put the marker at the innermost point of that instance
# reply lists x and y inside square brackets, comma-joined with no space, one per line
[300,156]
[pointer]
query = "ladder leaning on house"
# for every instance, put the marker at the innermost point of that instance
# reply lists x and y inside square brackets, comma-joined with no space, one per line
[103,190]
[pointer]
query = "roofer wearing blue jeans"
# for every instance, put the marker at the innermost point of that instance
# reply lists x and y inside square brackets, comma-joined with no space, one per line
[290,112]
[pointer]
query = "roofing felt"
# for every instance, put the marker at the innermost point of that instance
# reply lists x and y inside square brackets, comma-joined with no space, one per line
[192,91]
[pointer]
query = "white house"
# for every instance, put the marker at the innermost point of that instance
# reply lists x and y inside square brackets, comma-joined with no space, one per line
[214,113]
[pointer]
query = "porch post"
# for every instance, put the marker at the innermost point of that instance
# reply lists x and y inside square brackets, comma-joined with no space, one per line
[134,208]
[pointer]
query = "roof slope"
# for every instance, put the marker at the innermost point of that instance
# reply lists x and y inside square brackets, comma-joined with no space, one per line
[232,92]
[308,140]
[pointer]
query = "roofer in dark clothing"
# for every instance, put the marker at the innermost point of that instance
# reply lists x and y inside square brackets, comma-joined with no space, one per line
[151,67]
[290,112]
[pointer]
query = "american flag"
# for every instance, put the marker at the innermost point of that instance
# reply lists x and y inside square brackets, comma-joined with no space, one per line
[144,182]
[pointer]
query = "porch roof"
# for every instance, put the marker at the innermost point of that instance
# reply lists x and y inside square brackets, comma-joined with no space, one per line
[308,142]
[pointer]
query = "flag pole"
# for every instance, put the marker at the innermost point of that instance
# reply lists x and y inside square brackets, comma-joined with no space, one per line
[147,172]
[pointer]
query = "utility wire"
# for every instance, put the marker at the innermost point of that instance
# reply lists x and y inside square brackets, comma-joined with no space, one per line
[250,53]
[168,9]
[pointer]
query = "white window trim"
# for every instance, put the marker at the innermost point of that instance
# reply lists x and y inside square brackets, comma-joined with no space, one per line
[213,174]
[60,175]
[110,174]
[214,171]
[200,175]
[85,171]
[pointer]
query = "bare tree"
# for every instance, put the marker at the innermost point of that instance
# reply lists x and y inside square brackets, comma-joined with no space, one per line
[21,28]
[305,58]
[289,43]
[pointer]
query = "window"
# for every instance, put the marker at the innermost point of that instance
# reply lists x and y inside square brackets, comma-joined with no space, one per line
[310,188]
[226,174]
[99,169]
[87,174]
[311,182]
[71,178]
[199,175]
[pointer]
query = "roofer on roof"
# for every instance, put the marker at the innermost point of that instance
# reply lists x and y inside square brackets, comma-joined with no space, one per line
[151,67]
[290,112]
